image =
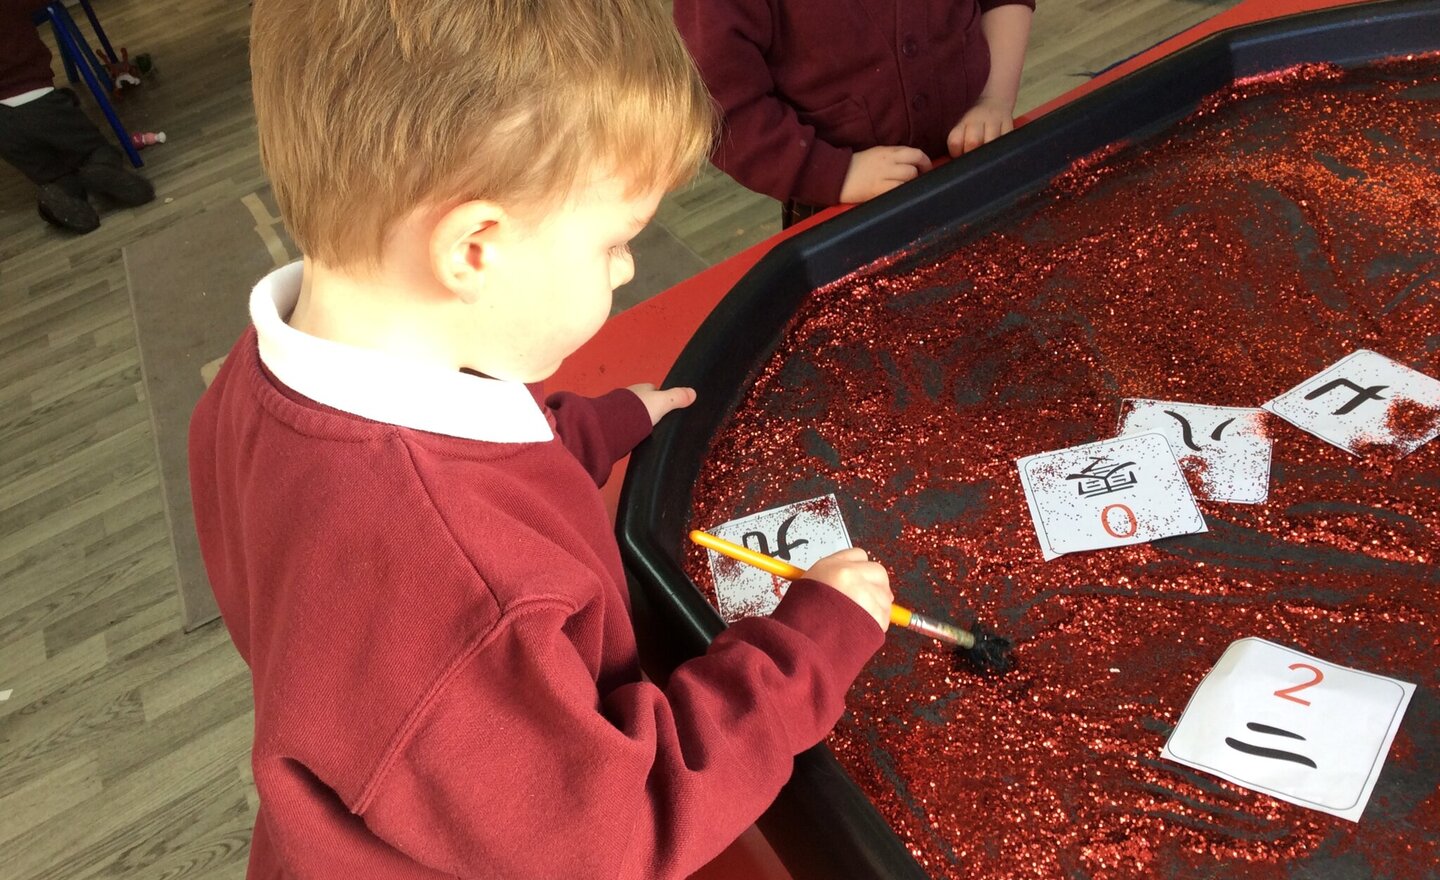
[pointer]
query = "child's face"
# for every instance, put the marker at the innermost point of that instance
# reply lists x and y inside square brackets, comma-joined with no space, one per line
[549,283]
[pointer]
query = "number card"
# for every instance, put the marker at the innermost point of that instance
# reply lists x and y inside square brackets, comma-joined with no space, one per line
[801,534]
[1292,726]
[1128,490]
[1226,447]
[1365,399]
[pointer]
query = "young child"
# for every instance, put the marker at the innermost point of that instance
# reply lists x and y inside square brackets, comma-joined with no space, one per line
[409,549]
[837,102]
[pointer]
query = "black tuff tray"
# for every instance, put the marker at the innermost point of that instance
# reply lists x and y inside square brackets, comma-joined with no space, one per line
[822,825]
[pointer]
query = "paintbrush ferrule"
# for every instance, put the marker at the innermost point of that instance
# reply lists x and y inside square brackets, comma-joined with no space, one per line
[941,631]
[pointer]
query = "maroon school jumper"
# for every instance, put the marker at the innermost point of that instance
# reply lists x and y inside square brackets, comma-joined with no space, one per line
[24,60]
[443,663]
[804,83]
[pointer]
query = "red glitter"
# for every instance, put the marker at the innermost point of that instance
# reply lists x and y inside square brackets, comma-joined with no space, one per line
[1409,420]
[1195,468]
[1288,222]
[1379,451]
[728,567]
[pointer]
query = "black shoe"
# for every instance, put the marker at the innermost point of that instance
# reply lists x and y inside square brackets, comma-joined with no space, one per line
[102,173]
[63,204]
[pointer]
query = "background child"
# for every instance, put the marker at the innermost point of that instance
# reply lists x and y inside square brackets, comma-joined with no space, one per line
[831,102]
[47,138]
[408,549]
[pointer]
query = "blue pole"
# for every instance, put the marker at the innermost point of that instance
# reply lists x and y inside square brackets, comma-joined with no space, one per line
[99,32]
[67,36]
[78,40]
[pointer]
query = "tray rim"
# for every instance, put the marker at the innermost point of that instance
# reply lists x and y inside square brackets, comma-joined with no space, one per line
[730,331]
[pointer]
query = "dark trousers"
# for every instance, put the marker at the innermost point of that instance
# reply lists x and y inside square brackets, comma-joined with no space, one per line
[50,137]
[793,212]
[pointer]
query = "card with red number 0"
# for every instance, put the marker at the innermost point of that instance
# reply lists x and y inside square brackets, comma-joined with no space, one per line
[1292,726]
[1127,490]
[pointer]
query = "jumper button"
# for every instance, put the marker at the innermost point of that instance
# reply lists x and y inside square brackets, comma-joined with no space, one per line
[918,103]
[909,47]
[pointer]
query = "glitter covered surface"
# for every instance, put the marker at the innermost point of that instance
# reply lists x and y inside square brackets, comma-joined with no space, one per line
[1283,225]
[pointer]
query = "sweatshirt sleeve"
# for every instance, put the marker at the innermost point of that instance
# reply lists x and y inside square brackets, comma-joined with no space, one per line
[762,144]
[524,768]
[600,431]
[21,8]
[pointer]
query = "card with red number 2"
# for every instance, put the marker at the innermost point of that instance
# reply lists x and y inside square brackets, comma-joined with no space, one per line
[1291,726]
[1127,490]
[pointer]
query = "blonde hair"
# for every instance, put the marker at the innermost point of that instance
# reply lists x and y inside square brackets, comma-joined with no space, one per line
[370,109]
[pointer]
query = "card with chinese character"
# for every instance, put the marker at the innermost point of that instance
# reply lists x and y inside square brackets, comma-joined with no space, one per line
[1292,726]
[1224,449]
[1365,402]
[801,534]
[1127,490]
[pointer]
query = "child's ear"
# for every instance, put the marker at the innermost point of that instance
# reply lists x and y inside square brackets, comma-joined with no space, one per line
[464,246]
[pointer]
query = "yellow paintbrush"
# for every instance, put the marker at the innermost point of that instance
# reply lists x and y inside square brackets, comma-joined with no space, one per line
[988,650]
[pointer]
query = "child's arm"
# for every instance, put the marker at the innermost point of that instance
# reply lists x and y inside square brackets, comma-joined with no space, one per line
[521,767]
[600,431]
[1007,31]
[22,9]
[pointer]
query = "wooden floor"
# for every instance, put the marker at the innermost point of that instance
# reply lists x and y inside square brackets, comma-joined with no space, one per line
[124,743]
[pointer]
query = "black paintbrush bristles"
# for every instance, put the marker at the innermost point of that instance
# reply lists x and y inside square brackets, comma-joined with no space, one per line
[992,652]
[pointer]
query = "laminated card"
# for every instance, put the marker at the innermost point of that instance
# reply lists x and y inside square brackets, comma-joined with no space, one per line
[1365,401]
[801,534]
[1225,448]
[1292,726]
[1127,490]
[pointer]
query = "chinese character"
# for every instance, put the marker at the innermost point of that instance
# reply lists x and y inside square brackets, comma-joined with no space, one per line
[1263,752]
[1185,429]
[1098,480]
[1361,394]
[783,545]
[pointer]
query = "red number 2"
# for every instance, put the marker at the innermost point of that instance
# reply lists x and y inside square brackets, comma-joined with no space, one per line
[1285,693]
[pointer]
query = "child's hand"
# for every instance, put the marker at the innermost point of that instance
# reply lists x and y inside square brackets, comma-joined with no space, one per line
[879,170]
[981,124]
[864,582]
[658,403]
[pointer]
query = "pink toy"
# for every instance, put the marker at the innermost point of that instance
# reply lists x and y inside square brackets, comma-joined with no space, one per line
[143,139]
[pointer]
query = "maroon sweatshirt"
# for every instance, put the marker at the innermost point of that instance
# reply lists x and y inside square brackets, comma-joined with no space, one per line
[803,84]
[443,663]
[24,59]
